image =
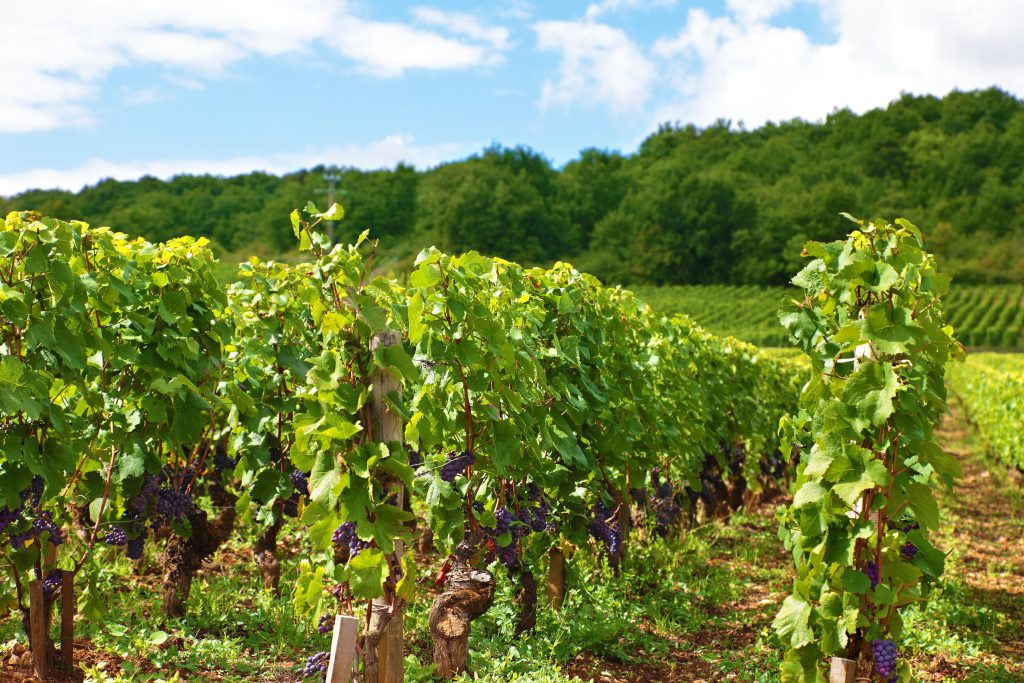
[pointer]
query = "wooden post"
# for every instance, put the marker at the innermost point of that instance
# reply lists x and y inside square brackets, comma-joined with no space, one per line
[387,427]
[67,621]
[842,671]
[343,649]
[50,556]
[40,637]
[556,577]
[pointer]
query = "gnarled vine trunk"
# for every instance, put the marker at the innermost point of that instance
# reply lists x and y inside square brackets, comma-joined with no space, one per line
[267,560]
[556,577]
[184,556]
[468,594]
[526,598]
[737,492]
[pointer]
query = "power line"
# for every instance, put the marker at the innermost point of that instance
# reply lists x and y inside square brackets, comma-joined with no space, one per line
[332,177]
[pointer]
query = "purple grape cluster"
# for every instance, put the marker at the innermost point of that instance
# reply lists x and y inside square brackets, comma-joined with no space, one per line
[537,518]
[43,523]
[664,505]
[116,537]
[530,520]
[166,494]
[538,515]
[773,465]
[52,583]
[504,519]
[908,551]
[456,464]
[736,457]
[36,488]
[710,481]
[172,504]
[884,652]
[873,574]
[415,458]
[608,534]
[150,485]
[345,536]
[325,625]
[315,664]
[135,546]
[300,480]
[222,462]
[9,517]
[509,554]
[905,525]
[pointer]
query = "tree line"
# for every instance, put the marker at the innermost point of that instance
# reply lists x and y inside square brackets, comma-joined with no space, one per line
[719,204]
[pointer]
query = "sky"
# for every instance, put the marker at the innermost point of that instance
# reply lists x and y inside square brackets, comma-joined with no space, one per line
[125,88]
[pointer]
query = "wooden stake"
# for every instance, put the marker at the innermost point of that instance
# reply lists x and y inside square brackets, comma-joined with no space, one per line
[343,649]
[556,577]
[40,637]
[387,428]
[842,671]
[67,621]
[391,647]
[50,556]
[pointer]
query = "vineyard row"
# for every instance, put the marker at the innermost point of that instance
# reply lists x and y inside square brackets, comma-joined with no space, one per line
[510,410]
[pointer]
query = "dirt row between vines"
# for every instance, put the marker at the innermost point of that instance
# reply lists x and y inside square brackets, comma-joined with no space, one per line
[983,527]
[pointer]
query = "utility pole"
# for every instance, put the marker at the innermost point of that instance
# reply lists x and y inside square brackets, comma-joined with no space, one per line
[332,177]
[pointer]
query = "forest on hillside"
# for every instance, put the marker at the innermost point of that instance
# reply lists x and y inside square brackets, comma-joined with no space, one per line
[690,206]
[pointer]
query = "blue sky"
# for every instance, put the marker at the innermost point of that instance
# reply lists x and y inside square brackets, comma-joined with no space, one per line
[121,88]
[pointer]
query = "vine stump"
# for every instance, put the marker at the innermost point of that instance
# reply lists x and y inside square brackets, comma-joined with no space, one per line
[468,594]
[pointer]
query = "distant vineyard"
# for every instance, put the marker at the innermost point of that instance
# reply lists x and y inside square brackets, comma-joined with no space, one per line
[991,387]
[747,312]
[984,316]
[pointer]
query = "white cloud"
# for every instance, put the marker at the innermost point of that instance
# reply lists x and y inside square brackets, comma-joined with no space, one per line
[57,53]
[464,24]
[757,10]
[515,9]
[606,6]
[742,67]
[387,49]
[383,153]
[600,65]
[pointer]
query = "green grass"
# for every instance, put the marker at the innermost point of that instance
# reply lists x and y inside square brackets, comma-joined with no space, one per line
[234,630]
[667,592]
[696,606]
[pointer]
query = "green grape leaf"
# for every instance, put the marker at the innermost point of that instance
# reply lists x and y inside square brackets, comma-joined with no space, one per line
[793,622]
[869,392]
[922,502]
[366,573]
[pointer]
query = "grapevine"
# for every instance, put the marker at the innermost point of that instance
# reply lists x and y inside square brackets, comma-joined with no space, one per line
[871,323]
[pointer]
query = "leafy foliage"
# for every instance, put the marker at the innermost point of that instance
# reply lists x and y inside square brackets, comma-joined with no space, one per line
[135,383]
[110,359]
[992,391]
[871,322]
